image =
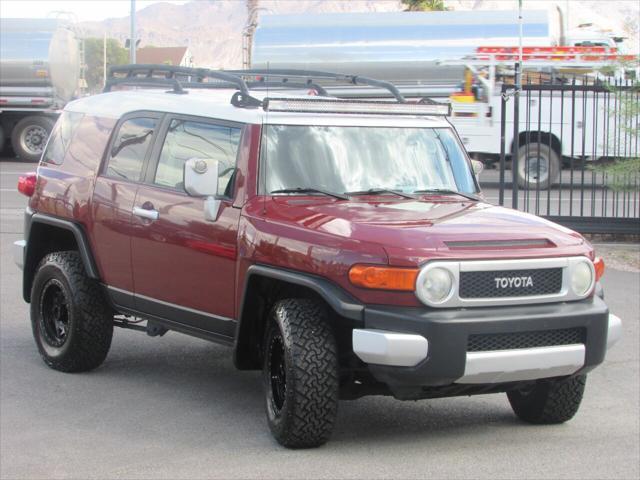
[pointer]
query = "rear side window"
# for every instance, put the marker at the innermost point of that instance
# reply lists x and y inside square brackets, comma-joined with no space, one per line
[187,139]
[60,138]
[130,148]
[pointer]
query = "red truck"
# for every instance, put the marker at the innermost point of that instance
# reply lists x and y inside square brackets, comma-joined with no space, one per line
[341,246]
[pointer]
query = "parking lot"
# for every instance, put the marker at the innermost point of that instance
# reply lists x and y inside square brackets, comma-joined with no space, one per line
[175,407]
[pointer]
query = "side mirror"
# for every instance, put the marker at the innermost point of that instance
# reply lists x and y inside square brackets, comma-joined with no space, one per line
[201,180]
[477,166]
[201,177]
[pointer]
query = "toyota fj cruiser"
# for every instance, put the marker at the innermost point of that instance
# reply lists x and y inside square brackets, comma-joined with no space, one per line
[342,246]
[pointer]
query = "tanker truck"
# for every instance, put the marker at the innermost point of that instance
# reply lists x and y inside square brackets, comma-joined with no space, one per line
[39,74]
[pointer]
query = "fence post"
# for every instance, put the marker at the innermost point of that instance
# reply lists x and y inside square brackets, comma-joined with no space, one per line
[516,140]
[503,130]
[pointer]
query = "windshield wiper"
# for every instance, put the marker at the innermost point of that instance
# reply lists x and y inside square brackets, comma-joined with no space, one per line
[374,191]
[446,191]
[311,190]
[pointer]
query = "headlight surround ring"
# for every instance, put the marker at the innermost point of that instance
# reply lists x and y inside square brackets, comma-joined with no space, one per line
[435,285]
[582,277]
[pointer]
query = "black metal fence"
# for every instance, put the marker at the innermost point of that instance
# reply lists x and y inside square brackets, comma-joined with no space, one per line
[568,153]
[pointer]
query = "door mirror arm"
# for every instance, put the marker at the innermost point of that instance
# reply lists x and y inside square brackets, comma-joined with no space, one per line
[211,208]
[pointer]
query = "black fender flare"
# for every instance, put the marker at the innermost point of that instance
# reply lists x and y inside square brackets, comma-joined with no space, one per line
[337,299]
[77,230]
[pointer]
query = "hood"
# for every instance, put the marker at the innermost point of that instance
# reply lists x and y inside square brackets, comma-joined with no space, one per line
[441,226]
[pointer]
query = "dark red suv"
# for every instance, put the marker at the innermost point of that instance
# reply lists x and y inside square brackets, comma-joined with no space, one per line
[341,246]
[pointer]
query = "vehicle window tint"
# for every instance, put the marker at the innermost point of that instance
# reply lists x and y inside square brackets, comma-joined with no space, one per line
[187,139]
[130,148]
[61,136]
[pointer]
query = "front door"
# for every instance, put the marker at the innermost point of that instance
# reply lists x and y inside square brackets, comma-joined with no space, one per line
[184,264]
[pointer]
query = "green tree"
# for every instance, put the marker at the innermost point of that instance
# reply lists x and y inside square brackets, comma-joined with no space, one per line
[623,173]
[93,48]
[424,5]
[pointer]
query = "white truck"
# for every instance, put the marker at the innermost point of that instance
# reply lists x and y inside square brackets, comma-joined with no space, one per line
[431,54]
[39,74]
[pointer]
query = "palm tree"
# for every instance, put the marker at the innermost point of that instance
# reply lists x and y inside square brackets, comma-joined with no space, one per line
[424,5]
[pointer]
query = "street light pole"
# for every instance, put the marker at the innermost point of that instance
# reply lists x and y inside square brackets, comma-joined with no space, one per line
[132,35]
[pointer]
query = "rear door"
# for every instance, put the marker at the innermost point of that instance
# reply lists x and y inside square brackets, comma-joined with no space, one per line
[113,199]
[183,264]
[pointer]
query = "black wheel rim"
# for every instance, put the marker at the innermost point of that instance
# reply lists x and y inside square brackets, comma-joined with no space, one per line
[54,313]
[277,372]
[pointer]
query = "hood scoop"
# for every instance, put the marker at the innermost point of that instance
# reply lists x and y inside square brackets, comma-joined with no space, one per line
[500,244]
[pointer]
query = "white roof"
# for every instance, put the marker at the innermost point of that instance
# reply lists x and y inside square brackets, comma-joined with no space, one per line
[216,104]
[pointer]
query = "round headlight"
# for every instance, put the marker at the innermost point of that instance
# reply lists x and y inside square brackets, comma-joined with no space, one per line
[582,278]
[434,285]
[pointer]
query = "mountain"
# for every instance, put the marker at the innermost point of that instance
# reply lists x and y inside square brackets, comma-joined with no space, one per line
[212,29]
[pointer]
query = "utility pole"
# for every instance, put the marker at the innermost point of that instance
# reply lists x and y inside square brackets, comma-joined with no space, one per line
[104,59]
[132,35]
[248,31]
[516,113]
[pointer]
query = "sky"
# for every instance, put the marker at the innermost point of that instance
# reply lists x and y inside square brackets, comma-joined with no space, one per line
[84,10]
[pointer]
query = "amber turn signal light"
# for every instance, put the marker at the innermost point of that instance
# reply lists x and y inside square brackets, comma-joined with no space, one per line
[383,278]
[598,264]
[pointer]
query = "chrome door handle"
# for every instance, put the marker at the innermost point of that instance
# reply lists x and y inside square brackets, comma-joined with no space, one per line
[144,213]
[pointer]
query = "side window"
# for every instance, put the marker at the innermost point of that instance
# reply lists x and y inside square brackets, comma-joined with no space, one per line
[61,136]
[188,139]
[130,148]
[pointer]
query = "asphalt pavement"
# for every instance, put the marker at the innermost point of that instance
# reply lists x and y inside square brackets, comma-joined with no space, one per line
[175,407]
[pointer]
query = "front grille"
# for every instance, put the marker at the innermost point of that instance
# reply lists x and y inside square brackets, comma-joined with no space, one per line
[510,341]
[510,283]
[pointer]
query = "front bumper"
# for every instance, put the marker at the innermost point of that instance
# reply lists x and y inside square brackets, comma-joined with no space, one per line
[409,347]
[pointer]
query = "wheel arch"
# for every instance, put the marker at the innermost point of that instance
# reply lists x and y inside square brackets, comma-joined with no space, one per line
[263,286]
[46,234]
[543,138]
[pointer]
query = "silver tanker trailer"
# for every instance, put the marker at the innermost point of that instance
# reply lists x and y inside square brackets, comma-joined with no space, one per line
[406,48]
[39,74]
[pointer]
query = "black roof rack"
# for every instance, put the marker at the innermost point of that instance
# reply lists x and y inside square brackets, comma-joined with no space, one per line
[314,76]
[179,78]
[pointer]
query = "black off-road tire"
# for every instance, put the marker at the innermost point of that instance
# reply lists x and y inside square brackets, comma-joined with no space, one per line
[61,281]
[302,413]
[2,139]
[549,402]
[29,148]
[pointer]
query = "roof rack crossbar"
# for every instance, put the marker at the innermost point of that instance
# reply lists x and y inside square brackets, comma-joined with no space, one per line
[318,75]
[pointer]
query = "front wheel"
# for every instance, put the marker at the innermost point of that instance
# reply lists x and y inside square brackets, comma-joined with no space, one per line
[549,401]
[300,374]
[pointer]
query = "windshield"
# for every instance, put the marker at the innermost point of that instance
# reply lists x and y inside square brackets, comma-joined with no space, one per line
[356,159]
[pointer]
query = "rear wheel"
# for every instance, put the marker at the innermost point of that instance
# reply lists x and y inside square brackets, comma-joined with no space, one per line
[29,137]
[300,374]
[538,166]
[549,402]
[71,322]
